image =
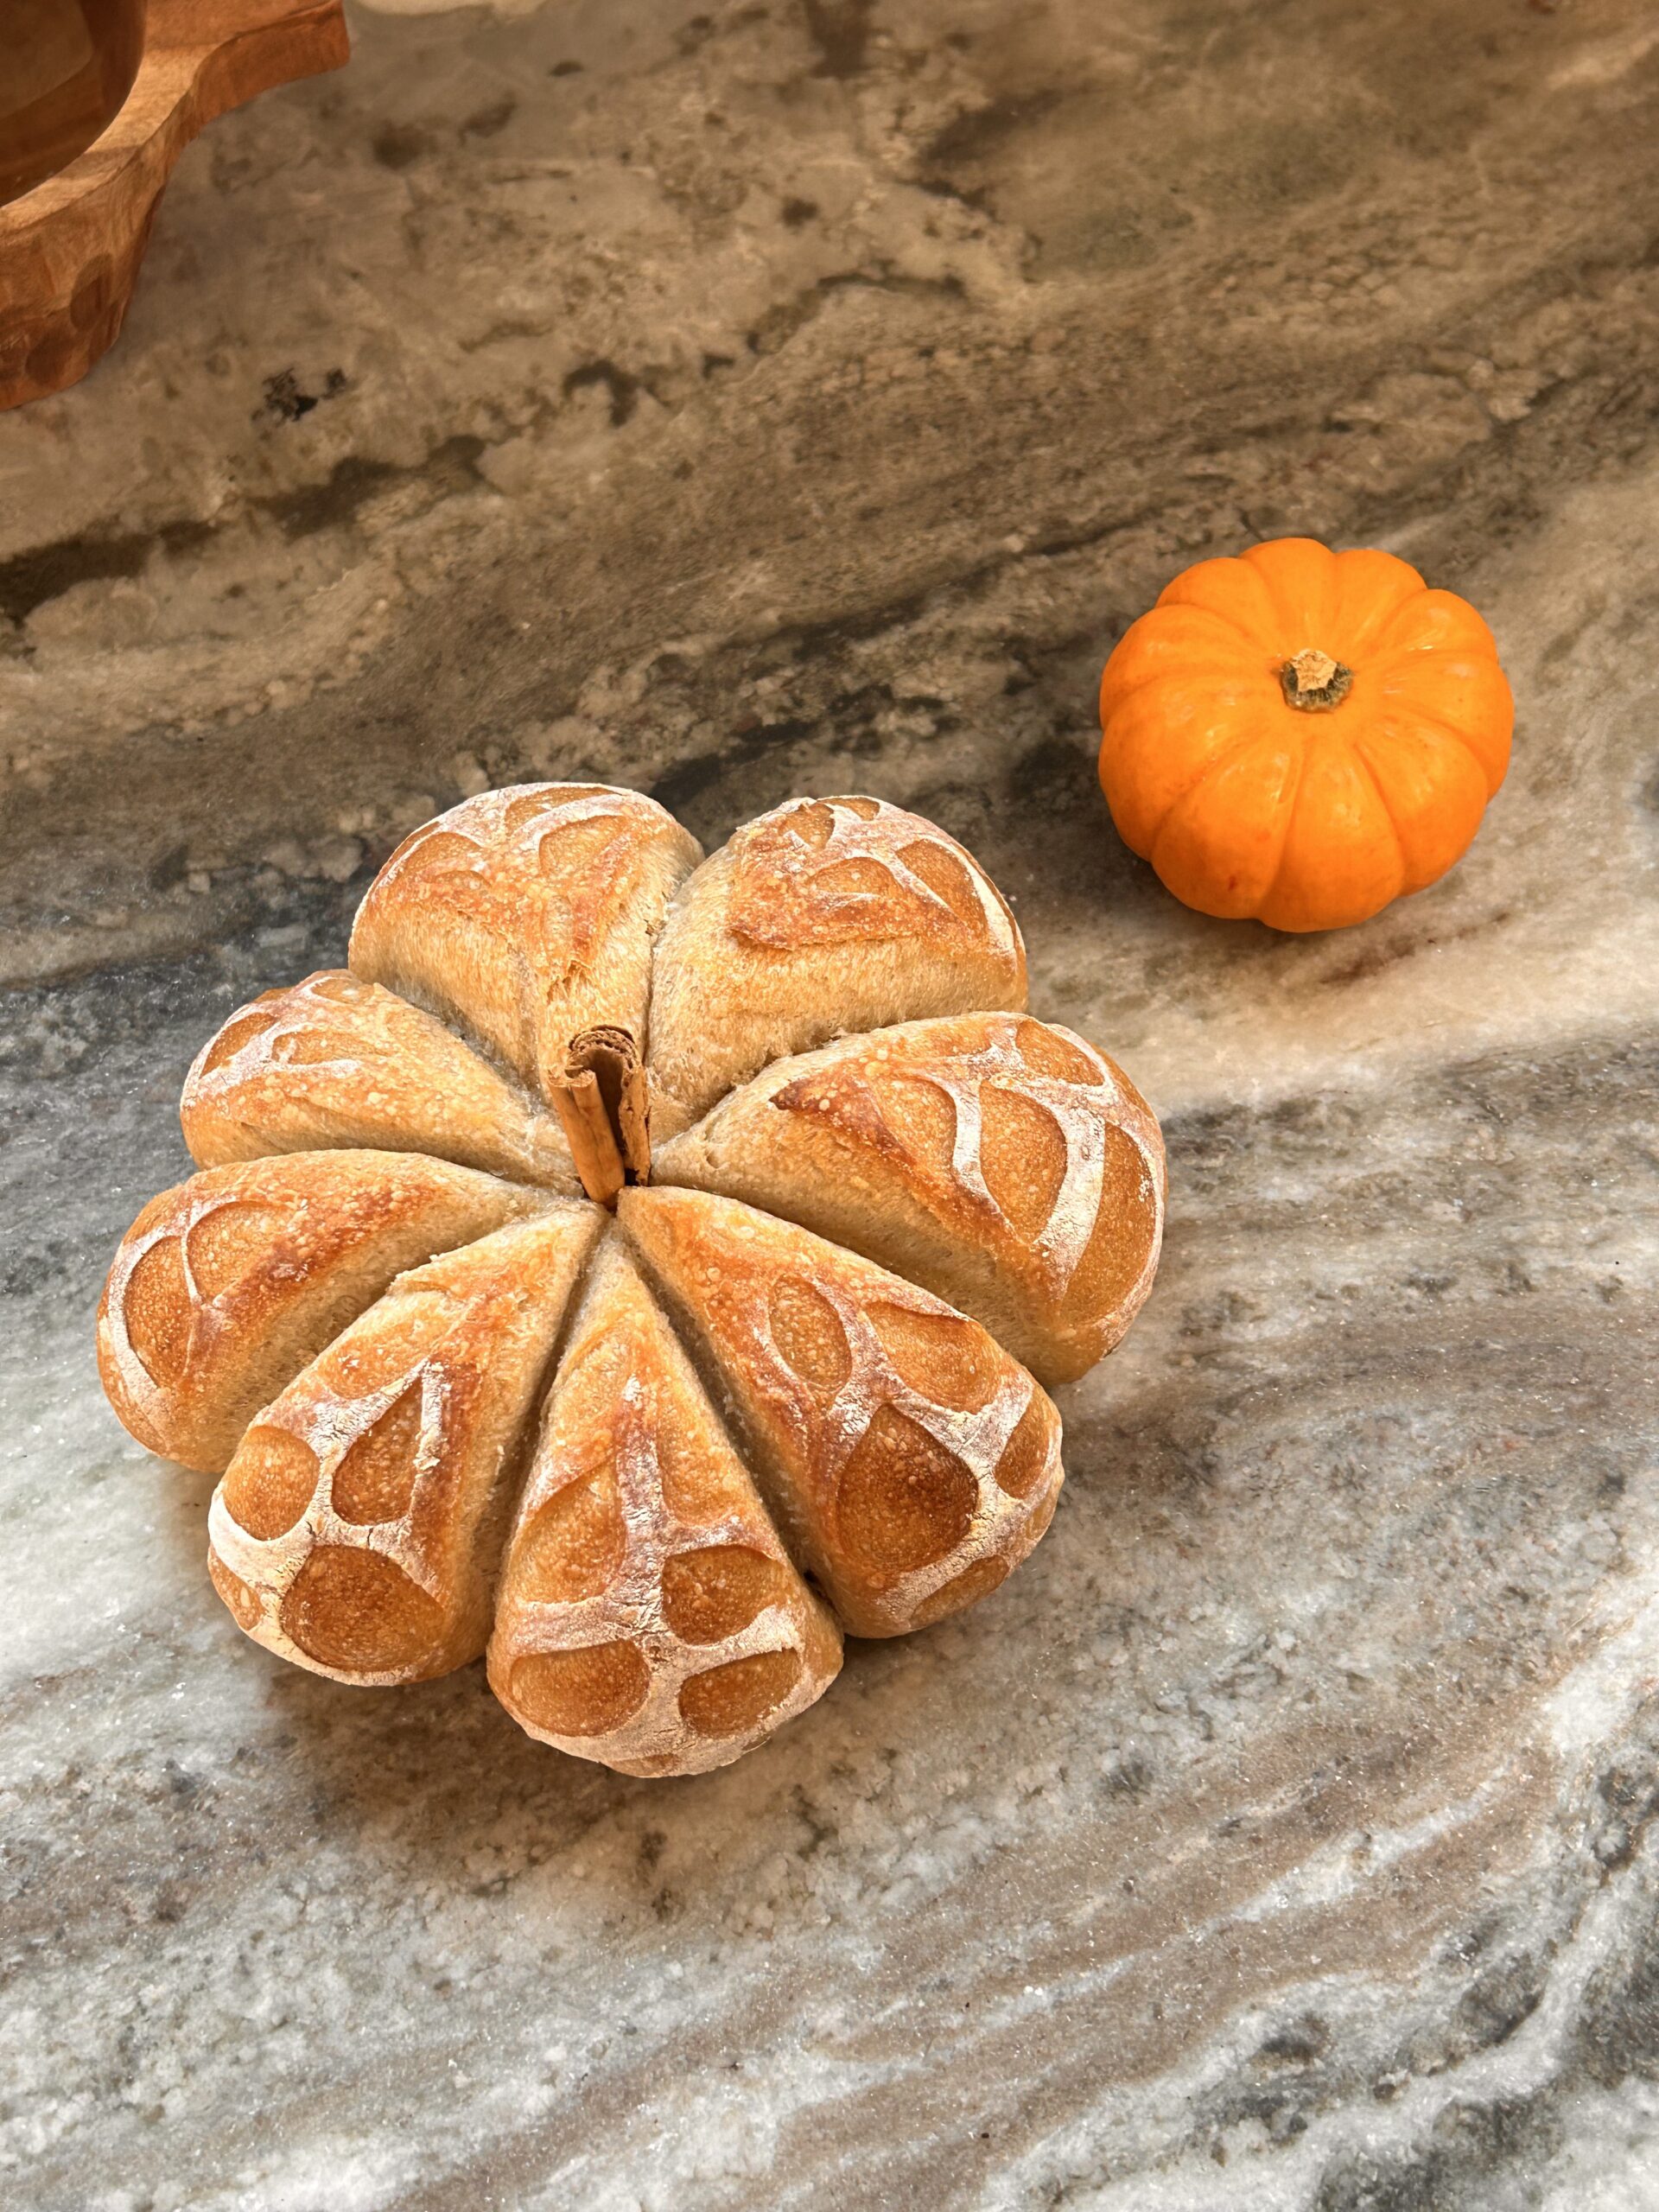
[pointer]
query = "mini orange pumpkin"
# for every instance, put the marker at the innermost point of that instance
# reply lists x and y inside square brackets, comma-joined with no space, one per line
[1302,735]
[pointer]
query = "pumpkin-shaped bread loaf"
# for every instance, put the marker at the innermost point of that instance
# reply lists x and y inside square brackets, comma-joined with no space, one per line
[640,1268]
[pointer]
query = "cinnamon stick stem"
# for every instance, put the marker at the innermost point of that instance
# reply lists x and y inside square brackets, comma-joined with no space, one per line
[588,1132]
[603,1100]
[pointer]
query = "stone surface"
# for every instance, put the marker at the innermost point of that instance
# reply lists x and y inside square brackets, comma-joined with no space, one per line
[738,399]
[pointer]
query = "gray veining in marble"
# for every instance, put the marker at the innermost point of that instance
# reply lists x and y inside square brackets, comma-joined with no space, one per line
[737,399]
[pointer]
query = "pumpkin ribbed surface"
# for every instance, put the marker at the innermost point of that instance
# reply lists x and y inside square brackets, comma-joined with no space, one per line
[1302,736]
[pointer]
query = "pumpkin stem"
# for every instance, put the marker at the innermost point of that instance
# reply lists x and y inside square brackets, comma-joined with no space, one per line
[1313,682]
[604,1102]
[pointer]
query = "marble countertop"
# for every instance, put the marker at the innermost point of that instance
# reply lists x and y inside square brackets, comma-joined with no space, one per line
[738,399]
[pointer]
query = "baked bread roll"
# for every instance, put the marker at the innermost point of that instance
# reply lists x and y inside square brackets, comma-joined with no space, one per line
[358,1527]
[825,915]
[1000,1161]
[658,1443]
[225,1286]
[649,1615]
[527,916]
[911,1462]
[336,1061]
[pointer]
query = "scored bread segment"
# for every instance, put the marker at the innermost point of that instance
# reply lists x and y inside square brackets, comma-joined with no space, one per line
[997,1159]
[909,1461]
[824,916]
[358,1527]
[526,916]
[334,1061]
[648,1617]
[225,1286]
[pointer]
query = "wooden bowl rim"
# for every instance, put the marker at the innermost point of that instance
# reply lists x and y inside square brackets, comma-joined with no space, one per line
[179,37]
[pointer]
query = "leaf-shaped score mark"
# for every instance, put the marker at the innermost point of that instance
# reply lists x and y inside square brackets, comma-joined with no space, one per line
[843,870]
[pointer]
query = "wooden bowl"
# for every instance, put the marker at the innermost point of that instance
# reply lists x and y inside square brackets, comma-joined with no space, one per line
[108,95]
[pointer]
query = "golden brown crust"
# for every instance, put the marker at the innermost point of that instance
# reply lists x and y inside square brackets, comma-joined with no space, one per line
[650,1610]
[910,1462]
[999,1160]
[527,915]
[824,916]
[334,1061]
[225,1286]
[358,1527]
[648,1615]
